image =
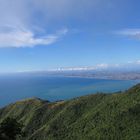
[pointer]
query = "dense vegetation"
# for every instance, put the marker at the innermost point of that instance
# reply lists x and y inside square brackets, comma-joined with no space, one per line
[11,129]
[93,117]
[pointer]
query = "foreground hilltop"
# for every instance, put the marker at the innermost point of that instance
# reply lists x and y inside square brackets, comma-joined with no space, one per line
[92,117]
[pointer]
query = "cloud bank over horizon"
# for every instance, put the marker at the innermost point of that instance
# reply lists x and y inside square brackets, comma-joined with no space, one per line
[130,65]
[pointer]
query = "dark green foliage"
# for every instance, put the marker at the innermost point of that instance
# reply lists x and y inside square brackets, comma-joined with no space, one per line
[10,129]
[93,117]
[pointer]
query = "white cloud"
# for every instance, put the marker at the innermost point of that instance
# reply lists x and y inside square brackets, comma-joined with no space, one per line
[22,11]
[31,17]
[137,62]
[102,66]
[133,33]
[18,27]
[84,68]
[131,65]
[20,37]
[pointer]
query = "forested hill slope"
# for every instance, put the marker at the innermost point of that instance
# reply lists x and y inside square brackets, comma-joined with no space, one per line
[93,117]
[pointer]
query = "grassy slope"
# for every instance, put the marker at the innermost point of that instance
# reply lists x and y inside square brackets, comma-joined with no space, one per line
[93,117]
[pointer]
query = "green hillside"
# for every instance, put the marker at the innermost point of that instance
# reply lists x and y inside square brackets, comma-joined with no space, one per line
[93,117]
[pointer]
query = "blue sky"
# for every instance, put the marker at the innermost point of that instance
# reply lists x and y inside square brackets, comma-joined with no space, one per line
[48,34]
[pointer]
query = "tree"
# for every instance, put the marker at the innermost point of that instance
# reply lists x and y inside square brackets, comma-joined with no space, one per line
[10,129]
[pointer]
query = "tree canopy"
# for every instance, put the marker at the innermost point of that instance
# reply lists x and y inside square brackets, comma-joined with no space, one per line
[10,129]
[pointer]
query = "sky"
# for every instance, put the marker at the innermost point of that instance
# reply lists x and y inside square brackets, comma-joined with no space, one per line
[49,34]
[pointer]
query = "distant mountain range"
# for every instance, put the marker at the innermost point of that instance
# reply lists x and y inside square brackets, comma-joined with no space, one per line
[93,117]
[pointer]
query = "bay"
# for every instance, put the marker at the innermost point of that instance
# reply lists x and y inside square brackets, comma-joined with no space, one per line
[13,88]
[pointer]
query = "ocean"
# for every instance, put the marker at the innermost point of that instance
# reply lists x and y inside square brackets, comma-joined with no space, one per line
[18,87]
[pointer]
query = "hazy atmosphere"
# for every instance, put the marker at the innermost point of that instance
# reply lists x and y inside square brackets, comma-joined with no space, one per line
[69,69]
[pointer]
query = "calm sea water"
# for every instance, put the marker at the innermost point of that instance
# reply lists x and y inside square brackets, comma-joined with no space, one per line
[13,88]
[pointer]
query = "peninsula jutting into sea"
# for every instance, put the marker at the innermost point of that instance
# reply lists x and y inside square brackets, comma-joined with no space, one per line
[89,73]
[69,69]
